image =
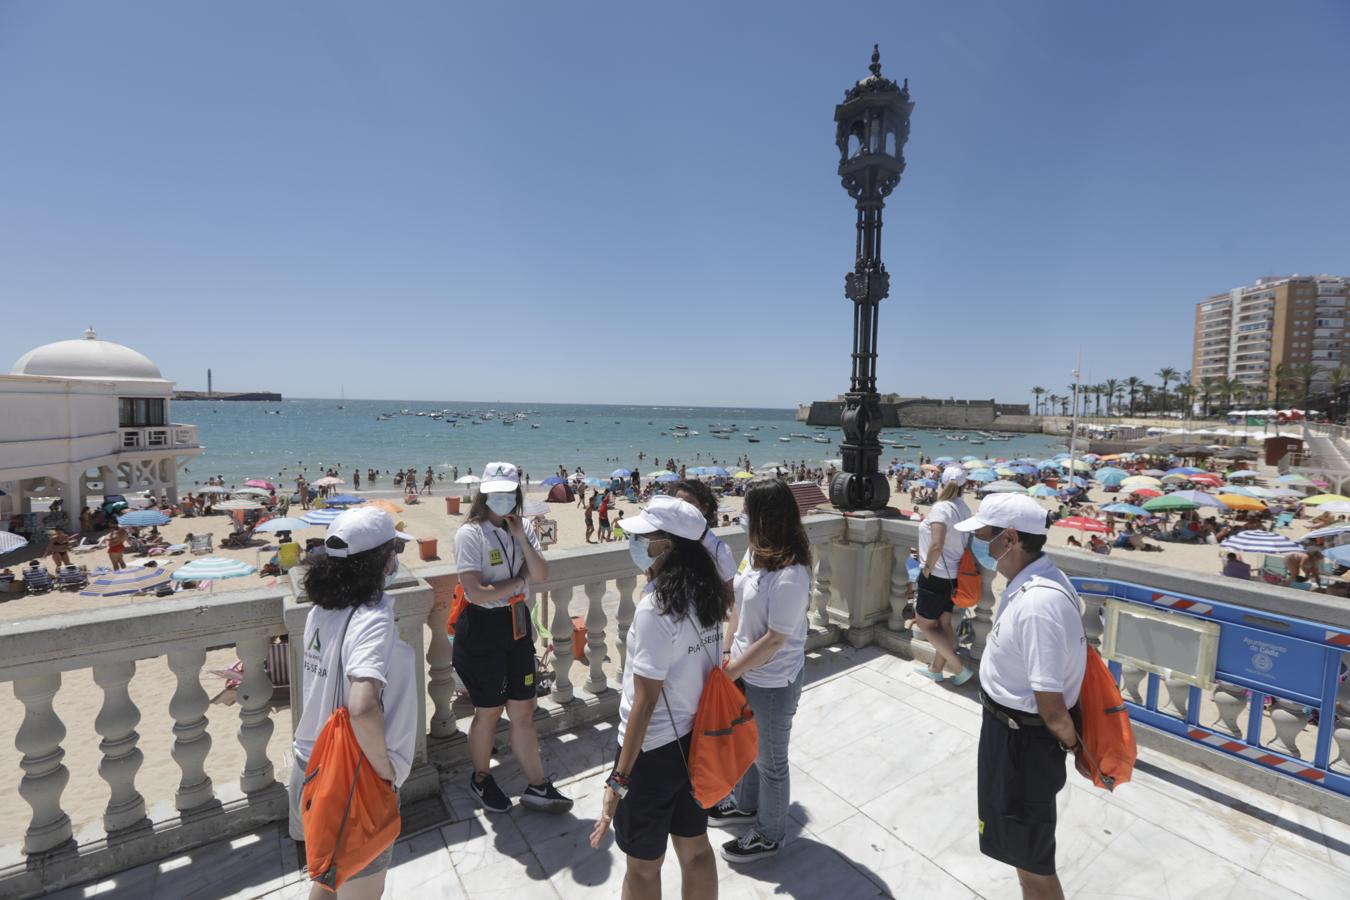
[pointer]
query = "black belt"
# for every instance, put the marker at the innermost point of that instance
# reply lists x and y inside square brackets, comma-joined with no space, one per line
[1014,719]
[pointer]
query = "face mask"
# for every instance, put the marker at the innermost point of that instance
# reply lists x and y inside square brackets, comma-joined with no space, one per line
[744,522]
[502,503]
[980,550]
[641,555]
[390,578]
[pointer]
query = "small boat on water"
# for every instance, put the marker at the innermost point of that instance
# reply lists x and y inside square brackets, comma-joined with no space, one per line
[722,436]
[954,437]
[821,439]
[786,440]
[752,439]
[975,441]
[534,424]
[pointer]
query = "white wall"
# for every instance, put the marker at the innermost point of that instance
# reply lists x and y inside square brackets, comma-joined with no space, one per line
[47,422]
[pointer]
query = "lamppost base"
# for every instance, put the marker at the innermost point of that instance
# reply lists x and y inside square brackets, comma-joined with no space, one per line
[852,491]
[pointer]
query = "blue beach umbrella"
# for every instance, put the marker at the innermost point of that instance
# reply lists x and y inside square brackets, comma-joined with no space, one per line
[322,517]
[1108,471]
[286,523]
[1199,498]
[1043,490]
[1002,487]
[9,542]
[1111,480]
[552,480]
[943,460]
[1021,469]
[343,500]
[1125,509]
[1185,470]
[1339,555]
[982,475]
[719,471]
[125,582]
[1241,474]
[968,458]
[621,473]
[142,517]
[1261,542]
[213,568]
[928,482]
[667,478]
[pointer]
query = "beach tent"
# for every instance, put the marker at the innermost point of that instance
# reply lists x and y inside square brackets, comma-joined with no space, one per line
[560,493]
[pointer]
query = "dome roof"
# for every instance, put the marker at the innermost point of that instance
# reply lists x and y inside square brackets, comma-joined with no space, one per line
[88,358]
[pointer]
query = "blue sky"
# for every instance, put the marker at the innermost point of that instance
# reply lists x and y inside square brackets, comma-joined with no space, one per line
[633,202]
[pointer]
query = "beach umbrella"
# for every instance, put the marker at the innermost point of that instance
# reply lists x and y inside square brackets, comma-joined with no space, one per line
[1330,531]
[719,472]
[468,479]
[260,483]
[1109,472]
[1021,469]
[943,460]
[125,582]
[1241,453]
[1002,487]
[1004,472]
[968,458]
[1199,498]
[975,464]
[328,481]
[1153,473]
[1169,503]
[927,482]
[1262,492]
[1111,479]
[1294,478]
[1209,479]
[741,476]
[668,478]
[284,523]
[1077,465]
[1138,481]
[621,473]
[1339,508]
[552,480]
[252,492]
[1124,509]
[213,569]
[1174,479]
[343,500]
[323,517]
[9,542]
[1244,491]
[1043,490]
[1237,501]
[1241,473]
[1257,541]
[1047,464]
[982,475]
[213,489]
[658,473]
[238,504]
[392,508]
[1339,555]
[1083,523]
[1145,492]
[599,482]
[142,517]
[1325,498]
[1184,470]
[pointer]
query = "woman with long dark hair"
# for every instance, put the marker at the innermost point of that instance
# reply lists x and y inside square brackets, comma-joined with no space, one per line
[351,630]
[498,554]
[672,646]
[699,494]
[767,645]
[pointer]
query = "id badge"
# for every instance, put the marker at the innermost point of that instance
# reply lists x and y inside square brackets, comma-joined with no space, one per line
[520,617]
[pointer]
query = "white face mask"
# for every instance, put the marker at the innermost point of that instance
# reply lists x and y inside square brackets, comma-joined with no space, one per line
[502,503]
[641,554]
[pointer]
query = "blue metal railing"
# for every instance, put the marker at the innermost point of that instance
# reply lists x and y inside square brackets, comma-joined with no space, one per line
[1268,655]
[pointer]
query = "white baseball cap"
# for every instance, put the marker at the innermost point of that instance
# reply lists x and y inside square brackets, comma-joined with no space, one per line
[361,529]
[499,477]
[954,473]
[668,514]
[1009,510]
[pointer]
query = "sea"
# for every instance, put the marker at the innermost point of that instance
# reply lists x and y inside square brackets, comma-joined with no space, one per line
[279,440]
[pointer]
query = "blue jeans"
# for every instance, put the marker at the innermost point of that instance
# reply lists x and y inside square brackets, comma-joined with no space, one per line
[766,786]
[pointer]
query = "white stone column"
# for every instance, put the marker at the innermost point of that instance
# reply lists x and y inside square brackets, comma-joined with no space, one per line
[561,630]
[983,621]
[191,740]
[44,775]
[441,672]
[255,714]
[627,586]
[900,584]
[1289,720]
[1092,621]
[122,758]
[411,629]
[595,637]
[823,573]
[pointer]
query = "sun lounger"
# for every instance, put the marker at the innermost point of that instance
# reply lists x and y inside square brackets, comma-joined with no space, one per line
[70,578]
[37,580]
[89,546]
[201,543]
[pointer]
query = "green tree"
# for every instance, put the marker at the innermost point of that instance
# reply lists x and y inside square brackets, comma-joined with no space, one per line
[1303,375]
[1098,391]
[1038,392]
[1111,387]
[1338,379]
[1165,375]
[1132,385]
[1146,391]
[1186,391]
[1209,387]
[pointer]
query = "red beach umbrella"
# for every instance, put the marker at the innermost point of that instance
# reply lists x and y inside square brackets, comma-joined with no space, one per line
[1083,523]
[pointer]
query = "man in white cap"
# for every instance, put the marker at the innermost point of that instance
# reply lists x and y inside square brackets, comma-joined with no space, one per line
[1030,676]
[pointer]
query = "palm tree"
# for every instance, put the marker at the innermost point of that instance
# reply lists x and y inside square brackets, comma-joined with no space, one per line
[1132,384]
[1338,379]
[1209,386]
[1098,390]
[1147,391]
[1112,387]
[1073,396]
[1118,396]
[1166,374]
[1064,405]
[1186,391]
[1038,391]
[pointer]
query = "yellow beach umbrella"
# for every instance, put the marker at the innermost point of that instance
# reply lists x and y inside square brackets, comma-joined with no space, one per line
[1237,501]
[1005,472]
[1138,481]
[743,475]
[1325,498]
[975,464]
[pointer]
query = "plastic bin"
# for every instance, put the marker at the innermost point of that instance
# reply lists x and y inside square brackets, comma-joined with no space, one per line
[452,506]
[426,548]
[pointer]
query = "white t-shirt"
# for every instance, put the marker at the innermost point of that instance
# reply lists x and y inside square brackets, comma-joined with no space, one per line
[721,554]
[371,649]
[1037,642]
[773,601]
[948,512]
[492,552]
[680,653]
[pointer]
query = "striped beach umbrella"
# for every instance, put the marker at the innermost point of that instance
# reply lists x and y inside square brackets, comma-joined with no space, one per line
[213,569]
[1124,509]
[126,582]
[9,542]
[322,517]
[1261,542]
[140,518]
[1331,531]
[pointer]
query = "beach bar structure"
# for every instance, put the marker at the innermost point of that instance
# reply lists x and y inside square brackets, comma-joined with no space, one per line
[87,417]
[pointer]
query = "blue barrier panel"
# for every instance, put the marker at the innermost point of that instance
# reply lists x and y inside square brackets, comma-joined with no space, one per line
[1269,655]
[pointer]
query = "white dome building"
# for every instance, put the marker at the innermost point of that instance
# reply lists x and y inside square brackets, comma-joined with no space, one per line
[86,416]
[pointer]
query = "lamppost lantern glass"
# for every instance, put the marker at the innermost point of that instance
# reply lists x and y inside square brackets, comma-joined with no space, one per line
[871,129]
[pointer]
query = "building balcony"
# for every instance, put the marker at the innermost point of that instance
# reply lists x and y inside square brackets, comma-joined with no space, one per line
[160,437]
[884,783]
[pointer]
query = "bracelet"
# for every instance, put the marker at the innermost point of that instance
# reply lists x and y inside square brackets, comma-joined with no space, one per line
[1078,742]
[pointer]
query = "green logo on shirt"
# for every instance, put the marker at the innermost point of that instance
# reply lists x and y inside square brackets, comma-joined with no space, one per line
[314,643]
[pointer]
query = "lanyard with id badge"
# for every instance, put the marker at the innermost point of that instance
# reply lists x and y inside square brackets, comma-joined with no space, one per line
[520,613]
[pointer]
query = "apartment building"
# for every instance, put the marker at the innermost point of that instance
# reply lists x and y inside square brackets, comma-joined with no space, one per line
[1246,333]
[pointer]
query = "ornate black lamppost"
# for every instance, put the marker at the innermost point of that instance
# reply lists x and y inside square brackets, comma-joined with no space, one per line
[871,128]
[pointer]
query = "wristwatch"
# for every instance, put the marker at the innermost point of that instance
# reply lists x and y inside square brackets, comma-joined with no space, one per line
[1078,742]
[618,783]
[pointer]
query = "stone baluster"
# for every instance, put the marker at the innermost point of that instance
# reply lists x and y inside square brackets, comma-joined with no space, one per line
[595,637]
[1178,692]
[1132,679]
[44,776]
[627,586]
[822,552]
[412,631]
[255,714]
[1289,719]
[1231,700]
[1092,619]
[441,672]
[191,741]
[983,621]
[899,587]
[122,758]
[561,629]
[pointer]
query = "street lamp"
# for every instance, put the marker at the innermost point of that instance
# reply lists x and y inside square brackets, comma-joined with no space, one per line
[871,128]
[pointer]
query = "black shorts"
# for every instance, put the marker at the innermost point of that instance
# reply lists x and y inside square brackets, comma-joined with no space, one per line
[493,666]
[1020,772]
[660,803]
[933,596]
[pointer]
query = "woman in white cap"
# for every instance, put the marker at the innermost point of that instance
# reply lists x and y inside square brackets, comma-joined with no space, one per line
[350,630]
[940,551]
[497,554]
[672,646]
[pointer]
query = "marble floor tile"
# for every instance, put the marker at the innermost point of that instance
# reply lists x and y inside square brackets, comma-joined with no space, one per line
[931,813]
[1251,886]
[421,867]
[509,879]
[1147,861]
[889,862]
[484,840]
[807,868]
[871,766]
[1232,835]
[1301,875]
[815,806]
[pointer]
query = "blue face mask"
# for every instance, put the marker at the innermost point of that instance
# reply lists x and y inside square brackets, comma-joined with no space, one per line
[641,554]
[980,550]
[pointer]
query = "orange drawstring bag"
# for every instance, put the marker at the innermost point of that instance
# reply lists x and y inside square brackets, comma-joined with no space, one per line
[350,815]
